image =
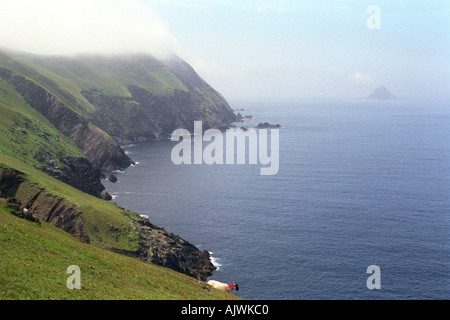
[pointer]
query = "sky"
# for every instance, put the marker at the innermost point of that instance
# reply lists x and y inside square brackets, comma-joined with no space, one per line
[257,50]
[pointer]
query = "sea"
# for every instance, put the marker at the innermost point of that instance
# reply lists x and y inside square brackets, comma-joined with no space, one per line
[359,208]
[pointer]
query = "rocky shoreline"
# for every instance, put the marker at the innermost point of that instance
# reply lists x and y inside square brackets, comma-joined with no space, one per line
[72,129]
[155,245]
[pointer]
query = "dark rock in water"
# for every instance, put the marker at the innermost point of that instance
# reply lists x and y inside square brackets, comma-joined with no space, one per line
[106,196]
[381,93]
[267,125]
[239,118]
[113,178]
[245,129]
[223,128]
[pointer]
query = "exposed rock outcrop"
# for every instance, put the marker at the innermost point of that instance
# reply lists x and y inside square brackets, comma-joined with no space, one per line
[267,125]
[97,104]
[155,244]
[170,251]
[153,116]
[112,178]
[239,117]
[10,180]
[102,151]
[49,208]
[78,173]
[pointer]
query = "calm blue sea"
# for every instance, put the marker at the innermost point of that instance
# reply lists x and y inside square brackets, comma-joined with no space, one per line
[360,183]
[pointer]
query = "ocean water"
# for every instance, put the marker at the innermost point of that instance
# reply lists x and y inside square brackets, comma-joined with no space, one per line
[360,183]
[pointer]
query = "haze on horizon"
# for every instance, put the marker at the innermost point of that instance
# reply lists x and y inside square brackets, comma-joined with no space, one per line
[255,50]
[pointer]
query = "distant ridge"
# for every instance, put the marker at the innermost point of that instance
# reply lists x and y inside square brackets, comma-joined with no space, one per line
[382,93]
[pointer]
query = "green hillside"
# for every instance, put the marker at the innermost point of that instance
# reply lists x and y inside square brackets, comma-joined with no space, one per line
[98,216]
[35,259]
[101,223]
[67,77]
[62,121]
[27,134]
[100,102]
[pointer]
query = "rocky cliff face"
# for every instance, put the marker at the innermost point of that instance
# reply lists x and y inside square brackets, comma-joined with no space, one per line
[127,99]
[59,212]
[102,151]
[78,173]
[147,115]
[219,114]
[98,103]
[155,244]
[169,250]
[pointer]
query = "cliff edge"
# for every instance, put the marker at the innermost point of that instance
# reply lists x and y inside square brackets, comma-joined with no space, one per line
[63,120]
[97,222]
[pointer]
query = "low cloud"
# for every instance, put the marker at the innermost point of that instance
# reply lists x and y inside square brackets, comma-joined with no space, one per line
[83,26]
[359,77]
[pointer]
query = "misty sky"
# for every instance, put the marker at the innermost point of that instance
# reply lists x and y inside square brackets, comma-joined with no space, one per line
[256,49]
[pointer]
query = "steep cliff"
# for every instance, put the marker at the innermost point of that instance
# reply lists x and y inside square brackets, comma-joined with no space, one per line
[68,116]
[120,231]
[101,102]
[34,257]
[102,151]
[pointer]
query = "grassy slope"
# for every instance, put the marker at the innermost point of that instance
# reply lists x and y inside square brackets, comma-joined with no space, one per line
[34,260]
[66,77]
[98,214]
[112,75]
[26,134]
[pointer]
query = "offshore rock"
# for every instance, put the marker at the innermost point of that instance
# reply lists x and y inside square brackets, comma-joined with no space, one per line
[267,125]
[382,93]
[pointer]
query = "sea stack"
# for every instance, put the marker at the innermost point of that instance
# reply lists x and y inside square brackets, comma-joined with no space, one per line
[381,93]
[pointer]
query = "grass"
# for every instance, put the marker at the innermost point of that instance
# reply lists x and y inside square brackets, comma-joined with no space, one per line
[27,134]
[98,214]
[34,260]
[67,77]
